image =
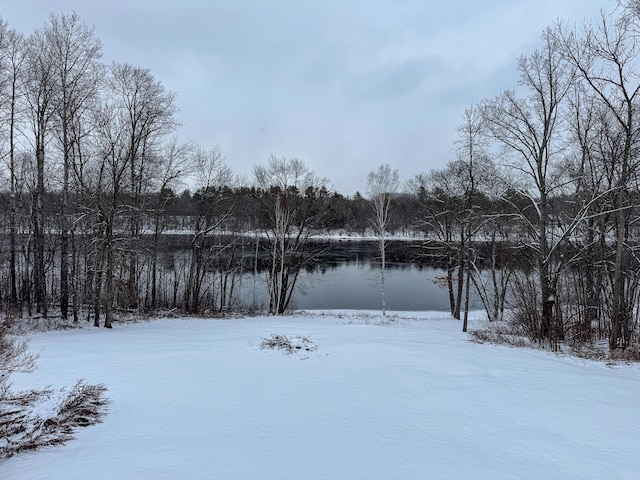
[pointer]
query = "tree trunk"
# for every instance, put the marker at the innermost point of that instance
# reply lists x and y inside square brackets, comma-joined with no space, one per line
[64,227]
[109,274]
[74,279]
[13,290]
[452,298]
[466,293]
[39,280]
[13,294]
[547,295]
[618,309]
[383,265]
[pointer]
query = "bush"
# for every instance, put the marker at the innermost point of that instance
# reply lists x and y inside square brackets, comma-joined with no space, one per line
[292,345]
[40,418]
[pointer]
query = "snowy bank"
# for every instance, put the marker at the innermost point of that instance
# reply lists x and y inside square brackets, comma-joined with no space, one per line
[378,399]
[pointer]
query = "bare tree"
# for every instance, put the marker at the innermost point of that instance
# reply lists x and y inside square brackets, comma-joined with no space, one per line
[530,130]
[632,7]
[12,55]
[289,194]
[40,92]
[75,51]
[475,178]
[174,164]
[605,56]
[457,200]
[129,123]
[86,273]
[105,184]
[473,171]
[213,174]
[438,194]
[147,116]
[382,186]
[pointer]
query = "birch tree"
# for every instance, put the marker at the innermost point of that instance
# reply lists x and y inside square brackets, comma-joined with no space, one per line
[382,186]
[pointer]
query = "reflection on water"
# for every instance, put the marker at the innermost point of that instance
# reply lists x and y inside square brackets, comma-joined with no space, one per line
[356,286]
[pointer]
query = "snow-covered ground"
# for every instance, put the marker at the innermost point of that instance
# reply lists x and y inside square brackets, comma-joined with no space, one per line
[408,399]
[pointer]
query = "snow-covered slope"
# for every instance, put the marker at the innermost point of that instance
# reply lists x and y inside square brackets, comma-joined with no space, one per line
[409,399]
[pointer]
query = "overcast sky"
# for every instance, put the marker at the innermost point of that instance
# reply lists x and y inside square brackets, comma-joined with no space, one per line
[343,85]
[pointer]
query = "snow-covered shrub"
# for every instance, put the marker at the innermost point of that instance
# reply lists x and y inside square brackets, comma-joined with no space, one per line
[39,418]
[503,332]
[14,357]
[289,345]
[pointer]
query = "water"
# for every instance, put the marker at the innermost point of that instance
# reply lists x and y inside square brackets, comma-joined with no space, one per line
[356,286]
[347,277]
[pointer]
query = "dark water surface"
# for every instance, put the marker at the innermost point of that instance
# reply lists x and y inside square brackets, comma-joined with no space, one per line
[355,285]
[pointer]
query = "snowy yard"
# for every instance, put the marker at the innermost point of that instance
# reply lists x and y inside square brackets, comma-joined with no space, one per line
[412,399]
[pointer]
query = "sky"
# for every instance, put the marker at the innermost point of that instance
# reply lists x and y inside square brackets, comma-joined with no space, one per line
[344,85]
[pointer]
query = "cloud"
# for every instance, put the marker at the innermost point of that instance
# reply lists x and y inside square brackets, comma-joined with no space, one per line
[345,86]
[393,80]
